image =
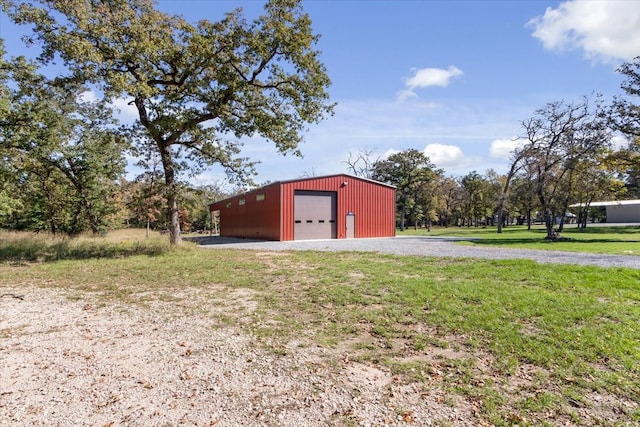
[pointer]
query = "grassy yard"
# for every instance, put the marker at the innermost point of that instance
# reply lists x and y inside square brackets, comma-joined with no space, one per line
[617,240]
[526,344]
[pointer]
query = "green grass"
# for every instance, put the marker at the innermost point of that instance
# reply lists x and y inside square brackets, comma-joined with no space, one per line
[529,344]
[622,240]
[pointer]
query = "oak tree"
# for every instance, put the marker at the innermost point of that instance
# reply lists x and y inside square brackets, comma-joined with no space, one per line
[64,151]
[411,172]
[625,114]
[556,140]
[197,88]
[478,198]
[626,110]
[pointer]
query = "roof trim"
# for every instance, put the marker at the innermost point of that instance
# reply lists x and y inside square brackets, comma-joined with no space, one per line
[609,203]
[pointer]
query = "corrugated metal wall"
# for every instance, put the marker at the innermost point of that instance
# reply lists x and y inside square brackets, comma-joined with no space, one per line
[257,217]
[623,213]
[372,204]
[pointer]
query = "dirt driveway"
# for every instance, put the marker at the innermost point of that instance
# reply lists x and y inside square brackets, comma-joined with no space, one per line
[79,362]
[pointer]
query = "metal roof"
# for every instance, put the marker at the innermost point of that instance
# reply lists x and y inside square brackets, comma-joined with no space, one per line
[333,175]
[609,203]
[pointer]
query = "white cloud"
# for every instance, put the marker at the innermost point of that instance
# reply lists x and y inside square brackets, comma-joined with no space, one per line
[502,148]
[405,94]
[606,30]
[87,96]
[446,156]
[127,111]
[426,77]
[619,142]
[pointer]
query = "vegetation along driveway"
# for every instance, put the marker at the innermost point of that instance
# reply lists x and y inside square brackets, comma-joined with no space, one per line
[426,246]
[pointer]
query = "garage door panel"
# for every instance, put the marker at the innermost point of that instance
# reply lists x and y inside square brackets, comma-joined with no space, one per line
[314,215]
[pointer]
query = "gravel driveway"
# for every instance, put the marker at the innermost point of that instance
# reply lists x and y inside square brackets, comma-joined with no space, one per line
[425,246]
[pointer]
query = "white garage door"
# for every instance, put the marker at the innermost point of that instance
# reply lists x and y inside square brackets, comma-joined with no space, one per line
[314,214]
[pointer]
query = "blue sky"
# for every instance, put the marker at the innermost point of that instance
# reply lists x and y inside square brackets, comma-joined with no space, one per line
[451,78]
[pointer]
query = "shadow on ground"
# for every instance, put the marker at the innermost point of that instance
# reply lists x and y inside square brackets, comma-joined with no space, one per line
[219,240]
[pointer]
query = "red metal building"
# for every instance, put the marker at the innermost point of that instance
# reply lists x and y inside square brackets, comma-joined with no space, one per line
[325,207]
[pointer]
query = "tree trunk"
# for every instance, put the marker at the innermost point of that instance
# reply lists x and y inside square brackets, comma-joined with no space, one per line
[94,222]
[172,195]
[565,208]
[175,237]
[548,221]
[505,190]
[583,217]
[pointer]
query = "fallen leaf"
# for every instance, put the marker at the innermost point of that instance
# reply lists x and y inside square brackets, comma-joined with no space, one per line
[113,399]
[146,384]
[407,417]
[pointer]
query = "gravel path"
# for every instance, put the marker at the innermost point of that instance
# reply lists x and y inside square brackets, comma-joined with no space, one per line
[426,246]
[79,360]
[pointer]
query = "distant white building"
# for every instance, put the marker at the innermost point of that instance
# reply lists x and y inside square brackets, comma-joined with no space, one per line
[619,211]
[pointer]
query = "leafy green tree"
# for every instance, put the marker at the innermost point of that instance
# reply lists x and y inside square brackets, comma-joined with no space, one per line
[200,198]
[594,182]
[426,199]
[65,152]
[447,201]
[91,160]
[146,201]
[625,114]
[495,183]
[410,171]
[625,111]
[522,197]
[46,200]
[8,202]
[625,163]
[557,138]
[477,198]
[197,88]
